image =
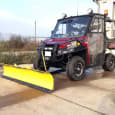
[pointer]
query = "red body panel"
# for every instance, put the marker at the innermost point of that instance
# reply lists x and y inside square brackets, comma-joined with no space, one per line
[62,40]
[88,53]
[112,45]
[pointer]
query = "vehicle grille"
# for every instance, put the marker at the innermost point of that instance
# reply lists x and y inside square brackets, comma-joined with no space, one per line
[49,47]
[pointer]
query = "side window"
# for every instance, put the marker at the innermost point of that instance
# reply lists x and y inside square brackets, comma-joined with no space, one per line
[61,29]
[101,25]
[110,30]
[94,25]
[97,25]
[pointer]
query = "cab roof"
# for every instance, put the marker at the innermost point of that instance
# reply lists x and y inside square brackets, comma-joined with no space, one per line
[88,15]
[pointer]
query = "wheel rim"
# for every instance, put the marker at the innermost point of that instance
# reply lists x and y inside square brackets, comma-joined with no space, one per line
[111,63]
[78,69]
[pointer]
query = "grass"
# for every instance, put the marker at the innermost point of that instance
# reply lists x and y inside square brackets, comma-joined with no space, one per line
[17,43]
[20,59]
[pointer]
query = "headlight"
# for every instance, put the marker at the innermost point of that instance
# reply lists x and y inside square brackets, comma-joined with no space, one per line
[72,45]
[68,47]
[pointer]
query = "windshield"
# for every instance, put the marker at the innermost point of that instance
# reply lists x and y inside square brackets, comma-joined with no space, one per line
[72,27]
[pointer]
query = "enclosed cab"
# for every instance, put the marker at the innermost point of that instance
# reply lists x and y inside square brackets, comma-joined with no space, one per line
[77,43]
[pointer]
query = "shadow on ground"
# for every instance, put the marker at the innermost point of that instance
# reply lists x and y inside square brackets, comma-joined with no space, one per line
[20,97]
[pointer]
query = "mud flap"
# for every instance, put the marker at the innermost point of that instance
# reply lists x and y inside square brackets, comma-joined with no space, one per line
[36,79]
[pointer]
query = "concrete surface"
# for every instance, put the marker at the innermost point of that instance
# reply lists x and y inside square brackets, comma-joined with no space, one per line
[95,95]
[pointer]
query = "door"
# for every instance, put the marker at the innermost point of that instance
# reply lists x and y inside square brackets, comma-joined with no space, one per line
[96,41]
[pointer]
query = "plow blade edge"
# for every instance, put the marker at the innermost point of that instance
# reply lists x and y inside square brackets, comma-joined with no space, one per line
[36,79]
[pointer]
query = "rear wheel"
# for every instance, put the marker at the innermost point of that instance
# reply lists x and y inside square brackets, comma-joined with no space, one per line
[109,63]
[76,68]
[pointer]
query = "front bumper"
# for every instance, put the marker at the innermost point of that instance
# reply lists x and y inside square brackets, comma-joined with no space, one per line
[50,51]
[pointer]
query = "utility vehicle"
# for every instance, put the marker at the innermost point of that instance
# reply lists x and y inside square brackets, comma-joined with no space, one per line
[77,43]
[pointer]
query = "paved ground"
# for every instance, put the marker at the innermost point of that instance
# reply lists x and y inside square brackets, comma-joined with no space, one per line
[95,95]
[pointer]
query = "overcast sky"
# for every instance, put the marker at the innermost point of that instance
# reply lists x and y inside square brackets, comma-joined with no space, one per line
[18,16]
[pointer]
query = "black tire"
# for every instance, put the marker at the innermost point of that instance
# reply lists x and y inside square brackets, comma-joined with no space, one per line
[38,63]
[76,69]
[109,63]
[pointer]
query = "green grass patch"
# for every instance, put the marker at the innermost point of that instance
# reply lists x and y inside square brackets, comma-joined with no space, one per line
[13,59]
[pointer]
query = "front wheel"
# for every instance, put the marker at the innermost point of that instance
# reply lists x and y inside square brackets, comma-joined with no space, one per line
[109,63]
[38,63]
[76,68]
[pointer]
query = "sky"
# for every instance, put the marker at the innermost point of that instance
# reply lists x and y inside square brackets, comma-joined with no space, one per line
[18,16]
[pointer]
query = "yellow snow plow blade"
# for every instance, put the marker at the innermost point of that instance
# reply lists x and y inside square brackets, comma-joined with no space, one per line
[36,79]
